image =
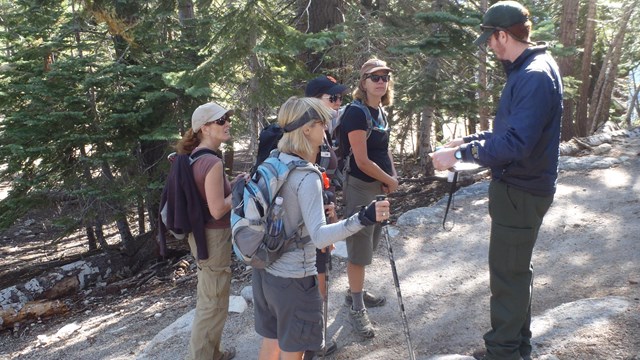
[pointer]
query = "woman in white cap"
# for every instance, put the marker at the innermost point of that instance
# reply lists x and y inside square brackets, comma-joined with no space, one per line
[210,127]
[369,171]
[287,303]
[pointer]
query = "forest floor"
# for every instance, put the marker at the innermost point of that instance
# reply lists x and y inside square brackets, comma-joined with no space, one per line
[588,251]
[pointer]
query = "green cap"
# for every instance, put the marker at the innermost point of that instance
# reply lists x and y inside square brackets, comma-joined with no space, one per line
[501,15]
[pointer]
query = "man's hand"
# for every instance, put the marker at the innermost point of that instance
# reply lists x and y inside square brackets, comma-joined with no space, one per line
[444,159]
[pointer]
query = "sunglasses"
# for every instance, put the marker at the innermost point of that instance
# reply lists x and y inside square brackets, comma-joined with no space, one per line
[223,120]
[333,98]
[376,78]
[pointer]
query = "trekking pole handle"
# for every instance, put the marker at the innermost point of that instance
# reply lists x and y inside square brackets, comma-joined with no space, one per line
[381,198]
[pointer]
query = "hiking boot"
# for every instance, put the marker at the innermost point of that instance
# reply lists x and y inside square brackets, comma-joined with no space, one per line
[361,323]
[228,354]
[370,300]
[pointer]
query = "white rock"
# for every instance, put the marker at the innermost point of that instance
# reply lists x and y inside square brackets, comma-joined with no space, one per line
[555,325]
[340,250]
[237,304]
[43,339]
[67,330]
[178,327]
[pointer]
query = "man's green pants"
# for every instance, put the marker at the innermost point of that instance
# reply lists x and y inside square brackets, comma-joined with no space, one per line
[516,217]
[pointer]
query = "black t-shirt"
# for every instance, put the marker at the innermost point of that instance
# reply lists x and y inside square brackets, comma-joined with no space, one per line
[377,143]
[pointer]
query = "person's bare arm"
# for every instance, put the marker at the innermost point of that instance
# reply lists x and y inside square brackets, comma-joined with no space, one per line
[219,205]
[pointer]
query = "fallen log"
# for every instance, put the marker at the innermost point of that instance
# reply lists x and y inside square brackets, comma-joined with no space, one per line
[574,146]
[60,281]
[111,270]
[13,314]
[66,279]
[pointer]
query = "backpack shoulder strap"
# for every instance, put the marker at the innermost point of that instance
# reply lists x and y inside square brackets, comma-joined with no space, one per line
[367,114]
[198,154]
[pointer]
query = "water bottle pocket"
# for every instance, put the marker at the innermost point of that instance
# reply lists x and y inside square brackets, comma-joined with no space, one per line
[274,243]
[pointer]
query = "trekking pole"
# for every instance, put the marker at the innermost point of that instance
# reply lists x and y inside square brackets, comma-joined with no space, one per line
[326,200]
[396,282]
[326,299]
[453,179]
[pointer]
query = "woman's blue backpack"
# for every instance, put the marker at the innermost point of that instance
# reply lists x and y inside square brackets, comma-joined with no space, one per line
[252,203]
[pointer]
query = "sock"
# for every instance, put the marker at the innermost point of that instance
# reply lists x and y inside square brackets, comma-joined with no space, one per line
[358,300]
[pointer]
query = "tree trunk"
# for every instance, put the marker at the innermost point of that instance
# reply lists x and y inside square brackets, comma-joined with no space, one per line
[254,88]
[424,138]
[126,13]
[432,70]
[404,134]
[568,30]
[93,245]
[100,234]
[483,96]
[141,215]
[601,99]
[185,10]
[581,118]
[189,33]
[126,237]
[313,17]
[128,241]
[633,104]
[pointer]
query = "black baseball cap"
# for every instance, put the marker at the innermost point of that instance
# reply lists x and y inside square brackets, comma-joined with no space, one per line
[323,85]
[500,16]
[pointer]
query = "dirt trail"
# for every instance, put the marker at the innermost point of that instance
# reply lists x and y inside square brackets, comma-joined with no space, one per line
[586,292]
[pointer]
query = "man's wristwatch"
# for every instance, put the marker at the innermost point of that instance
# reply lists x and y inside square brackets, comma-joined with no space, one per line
[458,154]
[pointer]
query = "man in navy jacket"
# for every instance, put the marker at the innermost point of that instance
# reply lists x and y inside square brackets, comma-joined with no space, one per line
[522,151]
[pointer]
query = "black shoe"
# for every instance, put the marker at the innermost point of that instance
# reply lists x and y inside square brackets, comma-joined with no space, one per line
[479,354]
[330,348]
[370,300]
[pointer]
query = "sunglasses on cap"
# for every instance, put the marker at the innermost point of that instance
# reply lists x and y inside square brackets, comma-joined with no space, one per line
[333,98]
[223,120]
[376,78]
[498,28]
[494,28]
